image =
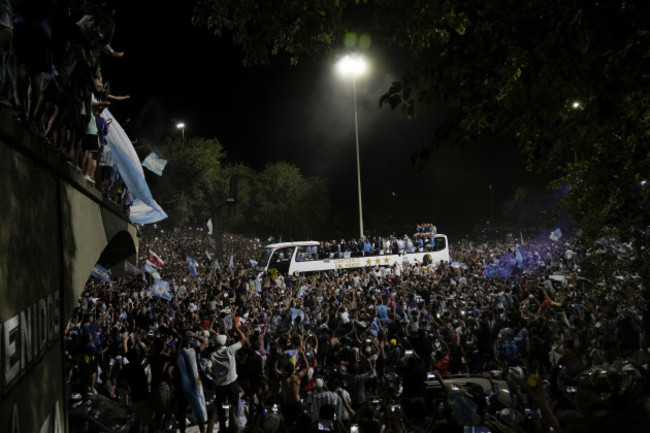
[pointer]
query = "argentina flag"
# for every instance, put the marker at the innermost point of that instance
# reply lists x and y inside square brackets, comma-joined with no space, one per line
[154,163]
[192,264]
[160,289]
[101,273]
[152,271]
[144,209]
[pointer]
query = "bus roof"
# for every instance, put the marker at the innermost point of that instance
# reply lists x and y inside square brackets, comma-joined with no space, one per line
[293,244]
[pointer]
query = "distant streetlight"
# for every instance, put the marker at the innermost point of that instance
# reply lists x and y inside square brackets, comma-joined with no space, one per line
[181,126]
[355,66]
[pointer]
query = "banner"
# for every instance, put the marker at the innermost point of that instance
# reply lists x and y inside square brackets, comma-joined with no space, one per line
[154,163]
[131,268]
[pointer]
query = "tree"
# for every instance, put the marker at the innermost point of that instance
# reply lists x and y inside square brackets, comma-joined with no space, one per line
[568,81]
[287,203]
[198,182]
[194,179]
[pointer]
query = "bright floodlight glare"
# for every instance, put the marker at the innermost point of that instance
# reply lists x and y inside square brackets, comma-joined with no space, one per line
[576,104]
[180,125]
[354,66]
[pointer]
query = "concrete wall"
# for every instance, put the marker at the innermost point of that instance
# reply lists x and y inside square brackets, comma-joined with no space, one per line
[53,229]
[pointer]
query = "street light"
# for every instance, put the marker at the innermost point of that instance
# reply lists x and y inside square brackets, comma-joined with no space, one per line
[355,66]
[181,126]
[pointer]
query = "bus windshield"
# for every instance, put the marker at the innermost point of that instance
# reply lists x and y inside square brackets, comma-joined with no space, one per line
[266,255]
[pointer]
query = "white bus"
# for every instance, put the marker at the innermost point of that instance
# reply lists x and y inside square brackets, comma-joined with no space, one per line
[295,258]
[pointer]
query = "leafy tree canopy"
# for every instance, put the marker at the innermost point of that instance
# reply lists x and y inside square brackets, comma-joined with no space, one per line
[194,178]
[198,180]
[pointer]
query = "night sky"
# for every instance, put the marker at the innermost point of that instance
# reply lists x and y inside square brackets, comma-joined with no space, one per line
[302,115]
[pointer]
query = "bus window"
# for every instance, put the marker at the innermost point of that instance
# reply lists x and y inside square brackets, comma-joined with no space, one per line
[281,259]
[440,244]
[266,255]
[304,254]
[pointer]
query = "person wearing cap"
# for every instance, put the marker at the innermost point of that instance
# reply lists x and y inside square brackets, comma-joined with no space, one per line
[224,370]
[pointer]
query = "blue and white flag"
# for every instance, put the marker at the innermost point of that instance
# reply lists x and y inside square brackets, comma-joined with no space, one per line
[192,264]
[519,257]
[209,225]
[216,264]
[151,270]
[191,384]
[101,273]
[144,209]
[154,163]
[231,264]
[556,234]
[253,263]
[160,289]
[208,254]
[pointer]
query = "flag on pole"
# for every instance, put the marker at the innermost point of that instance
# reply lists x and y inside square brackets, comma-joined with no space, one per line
[154,260]
[192,265]
[160,289]
[154,163]
[253,263]
[131,268]
[208,255]
[216,264]
[151,270]
[521,236]
[556,234]
[231,264]
[209,224]
[101,273]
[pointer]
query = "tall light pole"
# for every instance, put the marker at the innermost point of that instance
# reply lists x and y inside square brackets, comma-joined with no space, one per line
[181,126]
[355,66]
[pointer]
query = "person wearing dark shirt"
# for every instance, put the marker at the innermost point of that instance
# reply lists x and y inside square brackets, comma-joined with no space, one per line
[161,380]
[134,374]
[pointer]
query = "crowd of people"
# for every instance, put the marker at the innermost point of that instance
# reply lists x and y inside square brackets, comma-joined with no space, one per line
[369,350]
[51,78]
[379,245]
